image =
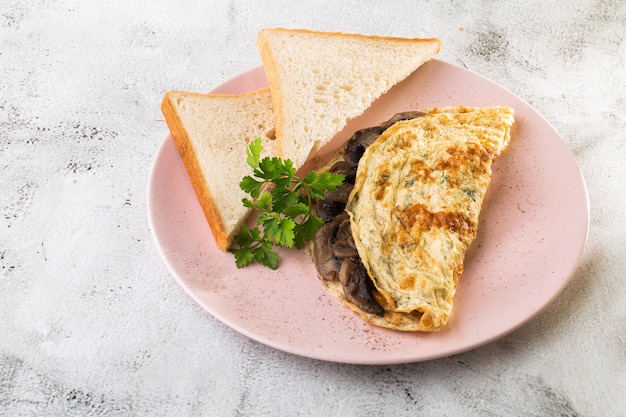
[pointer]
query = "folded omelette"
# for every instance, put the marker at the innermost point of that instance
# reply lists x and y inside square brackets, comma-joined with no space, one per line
[396,232]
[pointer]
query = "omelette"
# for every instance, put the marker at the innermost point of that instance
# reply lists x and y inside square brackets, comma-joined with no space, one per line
[396,232]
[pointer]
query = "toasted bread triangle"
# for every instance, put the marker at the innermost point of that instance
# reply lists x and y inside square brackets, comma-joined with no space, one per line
[211,132]
[320,80]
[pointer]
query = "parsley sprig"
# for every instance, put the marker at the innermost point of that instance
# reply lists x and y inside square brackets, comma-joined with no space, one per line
[283,202]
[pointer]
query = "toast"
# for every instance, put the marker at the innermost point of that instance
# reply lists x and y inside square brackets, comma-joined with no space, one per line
[211,132]
[320,80]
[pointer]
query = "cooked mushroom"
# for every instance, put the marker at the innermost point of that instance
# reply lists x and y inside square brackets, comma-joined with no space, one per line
[342,193]
[402,116]
[344,231]
[344,249]
[334,203]
[344,168]
[365,137]
[327,210]
[359,142]
[357,286]
[326,262]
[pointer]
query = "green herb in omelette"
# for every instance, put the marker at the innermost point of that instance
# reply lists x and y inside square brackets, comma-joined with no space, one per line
[283,202]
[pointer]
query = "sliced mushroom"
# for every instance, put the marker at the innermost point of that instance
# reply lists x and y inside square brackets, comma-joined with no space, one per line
[342,193]
[345,230]
[365,137]
[359,142]
[344,168]
[333,203]
[357,286]
[326,262]
[327,210]
[408,115]
[344,249]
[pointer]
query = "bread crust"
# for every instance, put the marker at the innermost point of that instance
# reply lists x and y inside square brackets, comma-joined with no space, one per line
[274,85]
[191,162]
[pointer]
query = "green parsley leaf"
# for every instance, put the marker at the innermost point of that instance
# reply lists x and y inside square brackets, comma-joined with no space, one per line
[264,202]
[243,256]
[283,202]
[283,198]
[251,186]
[279,229]
[253,151]
[296,210]
[264,255]
[307,230]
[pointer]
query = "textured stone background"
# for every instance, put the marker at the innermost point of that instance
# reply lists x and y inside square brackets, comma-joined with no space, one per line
[92,323]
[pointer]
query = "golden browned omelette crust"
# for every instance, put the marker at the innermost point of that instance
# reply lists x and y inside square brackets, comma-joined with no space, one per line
[414,211]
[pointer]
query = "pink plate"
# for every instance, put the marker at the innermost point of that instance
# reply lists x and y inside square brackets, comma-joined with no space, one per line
[531,235]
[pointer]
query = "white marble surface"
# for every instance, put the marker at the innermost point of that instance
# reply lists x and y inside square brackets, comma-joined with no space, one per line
[92,322]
